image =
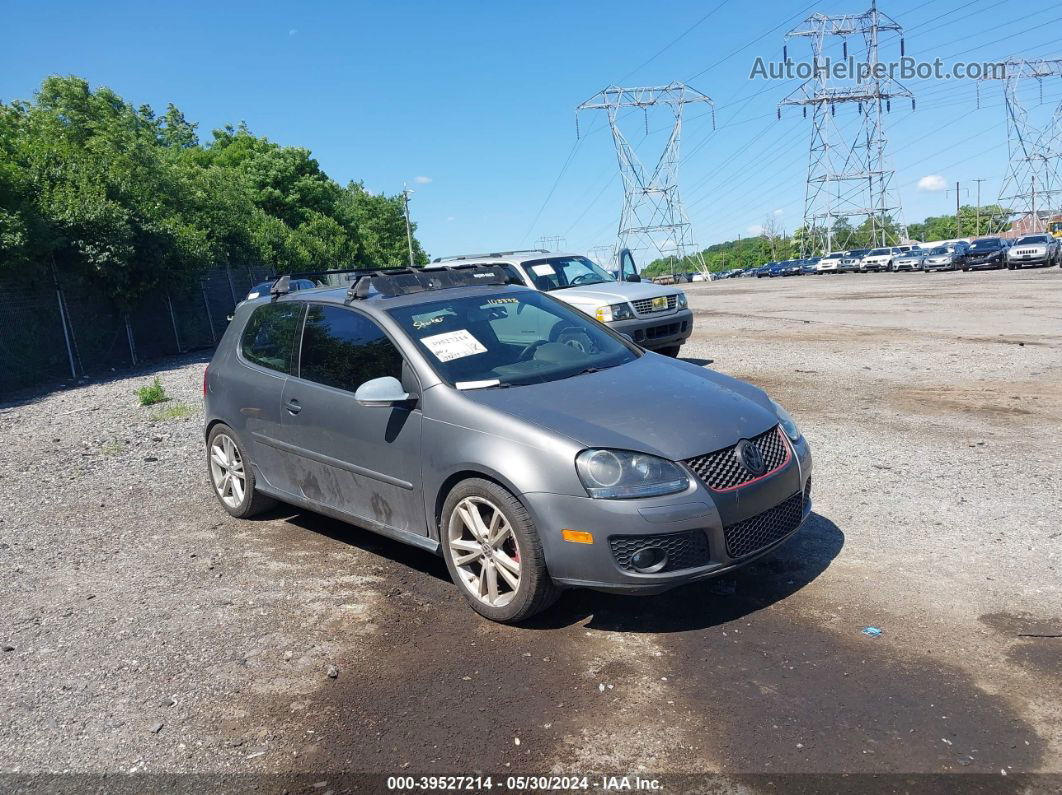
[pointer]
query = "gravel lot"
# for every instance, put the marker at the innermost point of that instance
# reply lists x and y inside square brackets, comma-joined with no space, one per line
[145,630]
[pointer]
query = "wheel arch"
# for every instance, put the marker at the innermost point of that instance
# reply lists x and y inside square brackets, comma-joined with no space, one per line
[462,475]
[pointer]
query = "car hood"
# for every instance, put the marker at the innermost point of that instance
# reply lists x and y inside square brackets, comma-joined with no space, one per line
[612,292]
[654,404]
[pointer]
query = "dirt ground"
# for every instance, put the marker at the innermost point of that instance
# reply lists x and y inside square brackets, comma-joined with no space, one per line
[144,630]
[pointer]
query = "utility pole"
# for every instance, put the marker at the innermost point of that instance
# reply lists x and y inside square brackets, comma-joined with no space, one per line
[979,181]
[409,232]
[848,171]
[958,220]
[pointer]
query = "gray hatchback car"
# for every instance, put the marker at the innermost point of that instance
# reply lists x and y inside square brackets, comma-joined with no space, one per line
[433,407]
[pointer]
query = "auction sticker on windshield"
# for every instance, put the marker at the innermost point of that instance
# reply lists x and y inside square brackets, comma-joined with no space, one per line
[543,270]
[453,345]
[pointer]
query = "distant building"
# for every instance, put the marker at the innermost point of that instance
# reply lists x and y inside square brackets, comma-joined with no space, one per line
[1028,225]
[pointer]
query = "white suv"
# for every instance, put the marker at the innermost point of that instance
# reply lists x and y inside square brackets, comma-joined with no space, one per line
[654,316]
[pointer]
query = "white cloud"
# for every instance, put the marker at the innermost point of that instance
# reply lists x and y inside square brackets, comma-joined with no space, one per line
[422,180]
[293,31]
[449,218]
[779,212]
[932,182]
[755,229]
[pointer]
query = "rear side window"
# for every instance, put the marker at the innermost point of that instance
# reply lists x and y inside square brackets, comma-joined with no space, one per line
[344,349]
[269,337]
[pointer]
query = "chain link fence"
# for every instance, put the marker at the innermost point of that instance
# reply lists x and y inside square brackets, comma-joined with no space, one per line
[55,333]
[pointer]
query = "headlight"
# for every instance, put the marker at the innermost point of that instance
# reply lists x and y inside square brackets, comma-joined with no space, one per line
[606,314]
[252,296]
[787,422]
[622,474]
[682,302]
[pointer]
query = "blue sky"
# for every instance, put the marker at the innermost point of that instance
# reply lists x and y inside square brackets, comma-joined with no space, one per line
[472,104]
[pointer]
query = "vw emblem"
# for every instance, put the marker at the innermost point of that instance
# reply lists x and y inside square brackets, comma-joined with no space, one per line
[750,457]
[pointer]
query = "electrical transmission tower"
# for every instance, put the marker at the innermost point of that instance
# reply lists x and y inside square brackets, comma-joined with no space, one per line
[848,173]
[552,242]
[652,218]
[1034,143]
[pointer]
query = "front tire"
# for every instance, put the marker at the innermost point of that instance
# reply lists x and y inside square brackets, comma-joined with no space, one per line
[493,552]
[670,350]
[232,475]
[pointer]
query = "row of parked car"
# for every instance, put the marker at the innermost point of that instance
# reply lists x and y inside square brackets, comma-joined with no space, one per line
[982,253]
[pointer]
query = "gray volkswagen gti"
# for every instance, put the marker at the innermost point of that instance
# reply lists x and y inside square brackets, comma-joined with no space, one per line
[432,407]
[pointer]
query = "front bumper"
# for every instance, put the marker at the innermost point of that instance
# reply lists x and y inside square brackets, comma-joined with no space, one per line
[662,331]
[988,264]
[704,514]
[907,266]
[940,266]
[1019,261]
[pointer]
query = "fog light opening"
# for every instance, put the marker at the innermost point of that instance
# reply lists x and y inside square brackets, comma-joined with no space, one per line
[649,560]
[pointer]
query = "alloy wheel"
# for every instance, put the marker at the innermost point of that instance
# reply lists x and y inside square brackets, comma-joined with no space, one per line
[226,470]
[484,550]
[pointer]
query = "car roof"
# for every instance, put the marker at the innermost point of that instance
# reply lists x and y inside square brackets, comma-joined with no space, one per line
[378,302]
[510,257]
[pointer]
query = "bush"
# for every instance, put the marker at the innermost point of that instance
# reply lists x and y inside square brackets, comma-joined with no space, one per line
[150,395]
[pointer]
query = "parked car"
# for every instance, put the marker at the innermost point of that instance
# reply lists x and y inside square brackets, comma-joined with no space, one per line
[831,263]
[879,259]
[765,270]
[1033,250]
[909,261]
[943,258]
[851,261]
[985,253]
[263,288]
[791,267]
[656,317]
[809,267]
[440,409]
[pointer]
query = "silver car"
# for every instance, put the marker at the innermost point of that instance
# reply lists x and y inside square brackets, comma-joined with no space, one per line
[909,261]
[1033,250]
[531,446]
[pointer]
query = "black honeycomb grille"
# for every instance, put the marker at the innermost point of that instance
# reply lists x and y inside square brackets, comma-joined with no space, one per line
[685,550]
[763,529]
[721,470]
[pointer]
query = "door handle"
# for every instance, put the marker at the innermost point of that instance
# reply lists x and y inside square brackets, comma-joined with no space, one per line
[293,406]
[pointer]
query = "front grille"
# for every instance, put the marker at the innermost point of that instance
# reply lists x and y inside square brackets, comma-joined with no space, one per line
[1034,251]
[685,550]
[763,529]
[644,306]
[721,470]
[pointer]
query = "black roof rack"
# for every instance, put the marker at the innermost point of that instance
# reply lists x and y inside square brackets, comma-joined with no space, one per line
[492,254]
[407,281]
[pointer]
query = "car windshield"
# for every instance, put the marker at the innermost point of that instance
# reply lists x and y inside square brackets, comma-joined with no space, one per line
[1031,239]
[876,252]
[835,255]
[559,273]
[859,252]
[939,250]
[988,242]
[509,339]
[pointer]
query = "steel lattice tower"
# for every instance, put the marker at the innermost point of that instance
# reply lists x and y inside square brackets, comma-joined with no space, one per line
[848,174]
[1034,177]
[652,218]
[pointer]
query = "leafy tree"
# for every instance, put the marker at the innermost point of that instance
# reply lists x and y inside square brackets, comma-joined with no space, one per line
[103,189]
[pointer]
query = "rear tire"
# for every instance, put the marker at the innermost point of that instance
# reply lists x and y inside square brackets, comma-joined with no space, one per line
[232,475]
[493,552]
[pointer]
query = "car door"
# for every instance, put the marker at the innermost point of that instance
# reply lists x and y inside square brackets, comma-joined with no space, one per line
[363,461]
[264,362]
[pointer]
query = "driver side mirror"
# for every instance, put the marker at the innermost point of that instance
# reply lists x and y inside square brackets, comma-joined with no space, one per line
[633,277]
[386,391]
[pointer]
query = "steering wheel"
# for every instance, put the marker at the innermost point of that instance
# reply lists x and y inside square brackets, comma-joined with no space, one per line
[581,278]
[528,352]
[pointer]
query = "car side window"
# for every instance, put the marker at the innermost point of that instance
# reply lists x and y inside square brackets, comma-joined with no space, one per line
[269,336]
[344,349]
